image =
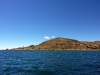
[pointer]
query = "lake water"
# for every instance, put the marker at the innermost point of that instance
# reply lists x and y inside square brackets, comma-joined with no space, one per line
[49,62]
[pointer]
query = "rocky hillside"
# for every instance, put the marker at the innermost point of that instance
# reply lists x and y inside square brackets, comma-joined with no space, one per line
[58,44]
[64,44]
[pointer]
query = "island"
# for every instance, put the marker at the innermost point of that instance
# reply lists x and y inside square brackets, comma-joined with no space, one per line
[60,43]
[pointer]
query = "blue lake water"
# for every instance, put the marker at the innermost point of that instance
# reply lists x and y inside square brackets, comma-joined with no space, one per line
[49,62]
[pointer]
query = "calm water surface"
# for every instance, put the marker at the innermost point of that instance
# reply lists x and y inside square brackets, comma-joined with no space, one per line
[49,62]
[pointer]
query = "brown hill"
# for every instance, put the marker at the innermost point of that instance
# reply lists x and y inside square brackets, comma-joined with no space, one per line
[65,44]
[58,44]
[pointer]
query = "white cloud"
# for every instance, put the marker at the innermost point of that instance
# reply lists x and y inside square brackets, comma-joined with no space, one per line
[53,36]
[47,37]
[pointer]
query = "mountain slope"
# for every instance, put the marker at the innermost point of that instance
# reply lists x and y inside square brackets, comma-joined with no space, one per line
[57,44]
[64,44]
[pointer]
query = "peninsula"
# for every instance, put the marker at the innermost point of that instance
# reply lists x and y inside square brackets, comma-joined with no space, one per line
[63,44]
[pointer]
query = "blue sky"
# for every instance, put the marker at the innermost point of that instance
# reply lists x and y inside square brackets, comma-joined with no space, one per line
[27,22]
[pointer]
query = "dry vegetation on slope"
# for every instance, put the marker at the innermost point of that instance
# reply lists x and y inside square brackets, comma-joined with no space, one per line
[64,44]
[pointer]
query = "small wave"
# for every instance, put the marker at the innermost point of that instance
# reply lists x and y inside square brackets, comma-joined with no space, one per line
[45,72]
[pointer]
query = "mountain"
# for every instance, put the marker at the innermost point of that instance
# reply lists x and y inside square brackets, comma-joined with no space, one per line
[57,44]
[64,44]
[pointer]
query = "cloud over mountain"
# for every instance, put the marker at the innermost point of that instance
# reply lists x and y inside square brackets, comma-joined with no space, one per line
[47,37]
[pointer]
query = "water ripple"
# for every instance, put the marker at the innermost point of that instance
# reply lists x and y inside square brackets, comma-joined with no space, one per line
[49,63]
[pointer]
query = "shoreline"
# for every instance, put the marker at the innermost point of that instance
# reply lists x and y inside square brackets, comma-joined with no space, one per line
[55,50]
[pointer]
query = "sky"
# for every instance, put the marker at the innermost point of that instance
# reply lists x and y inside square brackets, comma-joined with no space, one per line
[30,22]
